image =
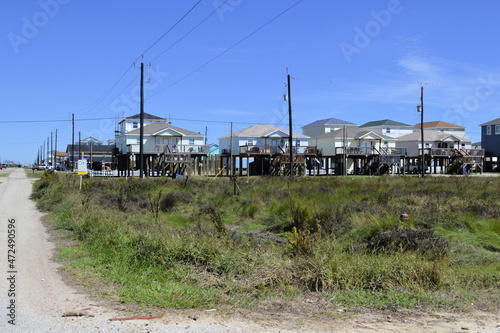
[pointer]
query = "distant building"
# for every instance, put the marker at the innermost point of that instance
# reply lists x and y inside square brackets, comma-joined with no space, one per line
[134,122]
[388,127]
[323,126]
[90,140]
[442,127]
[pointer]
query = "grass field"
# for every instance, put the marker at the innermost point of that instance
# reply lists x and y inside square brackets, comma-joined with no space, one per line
[193,243]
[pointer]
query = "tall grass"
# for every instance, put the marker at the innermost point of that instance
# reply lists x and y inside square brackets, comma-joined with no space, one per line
[166,243]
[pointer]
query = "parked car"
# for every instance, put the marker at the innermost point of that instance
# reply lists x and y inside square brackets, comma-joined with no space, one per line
[416,168]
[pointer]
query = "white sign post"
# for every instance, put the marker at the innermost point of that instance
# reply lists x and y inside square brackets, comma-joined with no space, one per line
[82,170]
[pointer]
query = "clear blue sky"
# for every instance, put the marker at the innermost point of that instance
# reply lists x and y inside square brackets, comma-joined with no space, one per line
[357,61]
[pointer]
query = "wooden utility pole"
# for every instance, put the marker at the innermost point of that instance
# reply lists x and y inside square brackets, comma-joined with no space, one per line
[141,135]
[73,142]
[422,127]
[55,151]
[290,139]
[79,145]
[52,148]
[141,130]
[231,153]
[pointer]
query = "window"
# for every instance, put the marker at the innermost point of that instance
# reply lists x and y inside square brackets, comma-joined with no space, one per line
[135,125]
[386,143]
[138,141]
[372,143]
[158,140]
[358,143]
[298,142]
[497,129]
[388,130]
[191,141]
[250,142]
[488,130]
[427,145]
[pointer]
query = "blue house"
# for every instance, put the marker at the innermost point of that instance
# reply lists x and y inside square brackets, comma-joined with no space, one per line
[490,142]
[490,137]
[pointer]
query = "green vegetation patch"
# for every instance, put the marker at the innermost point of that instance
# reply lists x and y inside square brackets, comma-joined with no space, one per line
[194,244]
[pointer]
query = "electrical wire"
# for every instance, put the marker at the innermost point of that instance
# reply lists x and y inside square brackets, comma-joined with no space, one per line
[228,49]
[171,28]
[190,31]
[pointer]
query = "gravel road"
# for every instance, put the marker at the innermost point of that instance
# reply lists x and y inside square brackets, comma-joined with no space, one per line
[34,297]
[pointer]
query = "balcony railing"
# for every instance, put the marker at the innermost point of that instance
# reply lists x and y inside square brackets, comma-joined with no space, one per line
[454,152]
[160,148]
[269,149]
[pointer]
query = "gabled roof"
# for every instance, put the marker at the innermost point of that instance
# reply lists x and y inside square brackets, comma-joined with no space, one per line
[385,122]
[492,122]
[147,116]
[154,129]
[442,124]
[329,121]
[262,131]
[430,135]
[352,133]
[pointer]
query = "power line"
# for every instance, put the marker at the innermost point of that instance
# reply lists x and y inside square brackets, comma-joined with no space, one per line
[190,31]
[179,21]
[228,49]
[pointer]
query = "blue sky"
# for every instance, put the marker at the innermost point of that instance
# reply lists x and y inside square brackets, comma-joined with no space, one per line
[358,61]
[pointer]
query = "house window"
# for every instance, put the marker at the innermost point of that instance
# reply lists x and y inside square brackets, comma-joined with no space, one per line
[138,141]
[298,142]
[372,143]
[427,145]
[358,143]
[135,125]
[463,145]
[191,141]
[388,130]
[497,129]
[488,130]
[158,140]
[250,142]
[386,143]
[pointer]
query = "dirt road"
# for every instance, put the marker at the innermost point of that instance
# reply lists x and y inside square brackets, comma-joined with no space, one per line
[34,298]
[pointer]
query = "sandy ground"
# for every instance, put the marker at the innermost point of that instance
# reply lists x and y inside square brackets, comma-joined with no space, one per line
[42,298]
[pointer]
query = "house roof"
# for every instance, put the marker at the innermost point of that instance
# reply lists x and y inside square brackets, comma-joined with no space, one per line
[352,133]
[385,122]
[147,116]
[492,122]
[155,128]
[94,148]
[329,121]
[262,131]
[430,135]
[442,124]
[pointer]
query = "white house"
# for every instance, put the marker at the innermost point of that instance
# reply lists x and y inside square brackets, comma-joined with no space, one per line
[134,122]
[432,140]
[388,127]
[320,127]
[159,138]
[261,137]
[330,144]
[442,127]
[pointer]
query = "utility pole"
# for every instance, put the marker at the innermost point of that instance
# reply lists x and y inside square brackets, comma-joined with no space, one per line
[72,142]
[421,110]
[231,153]
[48,152]
[141,131]
[55,151]
[79,145]
[290,139]
[52,148]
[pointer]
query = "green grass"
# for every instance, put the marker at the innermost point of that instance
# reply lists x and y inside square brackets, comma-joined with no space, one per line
[167,243]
